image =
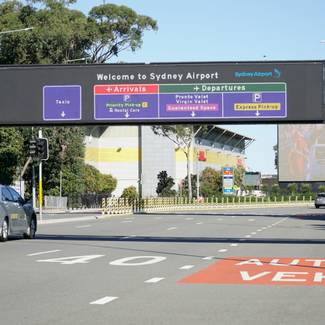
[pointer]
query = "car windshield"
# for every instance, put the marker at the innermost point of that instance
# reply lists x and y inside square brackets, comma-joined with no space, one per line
[321,195]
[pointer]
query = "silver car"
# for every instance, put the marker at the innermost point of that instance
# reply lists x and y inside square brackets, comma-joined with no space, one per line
[320,200]
[17,217]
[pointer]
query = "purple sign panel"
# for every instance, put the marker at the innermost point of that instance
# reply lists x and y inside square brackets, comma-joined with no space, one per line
[61,103]
[259,105]
[126,102]
[188,105]
[126,106]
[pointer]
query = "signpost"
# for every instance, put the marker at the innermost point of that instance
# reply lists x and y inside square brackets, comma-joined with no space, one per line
[228,180]
[219,92]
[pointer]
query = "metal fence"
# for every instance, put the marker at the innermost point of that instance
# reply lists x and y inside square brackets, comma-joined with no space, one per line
[85,201]
[125,206]
[55,202]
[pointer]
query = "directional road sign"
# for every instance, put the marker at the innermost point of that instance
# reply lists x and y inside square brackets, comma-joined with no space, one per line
[212,92]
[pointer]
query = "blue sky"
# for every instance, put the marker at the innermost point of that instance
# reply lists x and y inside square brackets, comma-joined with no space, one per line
[232,30]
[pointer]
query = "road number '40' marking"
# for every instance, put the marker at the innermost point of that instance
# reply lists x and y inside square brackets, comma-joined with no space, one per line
[72,259]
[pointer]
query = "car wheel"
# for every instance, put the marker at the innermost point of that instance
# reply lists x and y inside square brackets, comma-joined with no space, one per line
[317,206]
[4,230]
[31,230]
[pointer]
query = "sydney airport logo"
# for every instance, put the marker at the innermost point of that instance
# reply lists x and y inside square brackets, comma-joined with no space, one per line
[276,73]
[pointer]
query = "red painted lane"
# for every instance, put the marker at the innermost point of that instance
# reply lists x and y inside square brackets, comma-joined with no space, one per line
[263,271]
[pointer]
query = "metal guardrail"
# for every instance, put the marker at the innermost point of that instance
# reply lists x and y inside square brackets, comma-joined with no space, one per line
[125,206]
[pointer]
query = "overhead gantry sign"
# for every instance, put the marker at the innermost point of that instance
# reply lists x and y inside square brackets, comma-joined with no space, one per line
[254,92]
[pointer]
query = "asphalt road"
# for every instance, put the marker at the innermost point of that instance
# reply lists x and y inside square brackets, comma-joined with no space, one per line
[253,266]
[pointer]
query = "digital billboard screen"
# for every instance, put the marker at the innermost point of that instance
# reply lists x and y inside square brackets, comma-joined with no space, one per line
[301,152]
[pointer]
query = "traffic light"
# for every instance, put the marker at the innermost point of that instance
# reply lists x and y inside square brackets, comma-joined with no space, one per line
[42,148]
[32,148]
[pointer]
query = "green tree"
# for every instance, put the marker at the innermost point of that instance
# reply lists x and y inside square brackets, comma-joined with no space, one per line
[107,184]
[239,173]
[276,156]
[183,137]
[292,188]
[275,190]
[113,29]
[165,184]
[95,182]
[67,151]
[305,189]
[210,182]
[92,179]
[321,188]
[130,193]
[61,34]
[11,152]
[185,186]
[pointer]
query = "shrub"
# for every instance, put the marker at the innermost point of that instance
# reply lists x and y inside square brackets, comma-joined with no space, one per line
[130,193]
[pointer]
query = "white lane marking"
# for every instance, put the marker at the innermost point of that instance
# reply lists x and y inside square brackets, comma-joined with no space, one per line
[253,233]
[129,218]
[154,280]
[127,261]
[189,218]
[222,250]
[242,239]
[172,228]
[47,252]
[264,228]
[259,230]
[248,236]
[131,236]
[85,226]
[127,221]
[186,267]
[276,223]
[199,223]
[103,301]
[72,259]
[233,245]
[208,258]
[251,219]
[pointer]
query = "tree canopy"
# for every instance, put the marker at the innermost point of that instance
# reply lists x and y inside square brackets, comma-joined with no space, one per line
[58,34]
[61,34]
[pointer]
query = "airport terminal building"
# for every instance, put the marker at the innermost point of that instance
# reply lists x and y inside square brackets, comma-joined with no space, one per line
[134,155]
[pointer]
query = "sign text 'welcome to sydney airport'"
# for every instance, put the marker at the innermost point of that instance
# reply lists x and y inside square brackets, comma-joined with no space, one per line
[255,92]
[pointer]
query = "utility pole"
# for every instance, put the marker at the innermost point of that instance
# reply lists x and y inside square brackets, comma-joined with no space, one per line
[40,183]
[197,174]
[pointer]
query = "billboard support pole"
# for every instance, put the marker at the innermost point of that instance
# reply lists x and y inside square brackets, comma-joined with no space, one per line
[40,184]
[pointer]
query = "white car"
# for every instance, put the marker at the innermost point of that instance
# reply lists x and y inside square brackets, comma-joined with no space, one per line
[17,217]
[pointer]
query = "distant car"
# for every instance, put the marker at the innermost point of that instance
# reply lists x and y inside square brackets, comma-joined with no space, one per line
[17,217]
[320,200]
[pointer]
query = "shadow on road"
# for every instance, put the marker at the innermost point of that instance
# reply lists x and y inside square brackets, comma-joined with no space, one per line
[151,239]
[305,216]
